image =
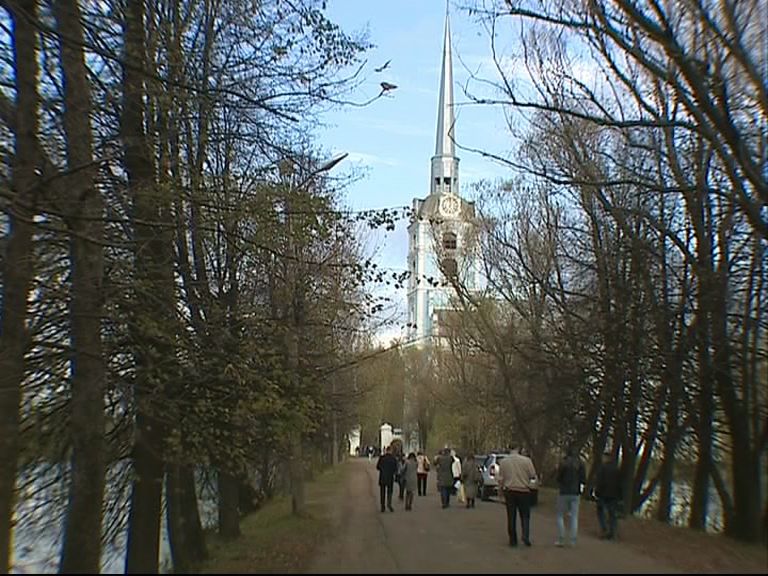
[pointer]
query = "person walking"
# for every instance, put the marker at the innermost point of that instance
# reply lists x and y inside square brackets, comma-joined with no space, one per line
[444,463]
[456,470]
[387,467]
[608,490]
[422,473]
[571,476]
[516,477]
[410,478]
[400,476]
[470,477]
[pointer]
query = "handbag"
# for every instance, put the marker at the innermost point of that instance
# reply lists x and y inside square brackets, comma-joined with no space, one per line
[462,493]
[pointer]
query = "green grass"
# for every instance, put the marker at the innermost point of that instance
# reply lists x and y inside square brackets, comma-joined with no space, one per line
[275,541]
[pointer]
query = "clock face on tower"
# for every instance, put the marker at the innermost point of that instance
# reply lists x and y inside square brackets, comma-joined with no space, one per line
[450,205]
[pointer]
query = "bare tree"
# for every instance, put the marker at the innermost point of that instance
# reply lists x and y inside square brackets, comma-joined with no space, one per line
[18,261]
[672,107]
[81,551]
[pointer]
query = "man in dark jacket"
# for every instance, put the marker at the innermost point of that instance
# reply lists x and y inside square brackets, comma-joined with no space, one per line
[571,476]
[387,467]
[444,463]
[608,490]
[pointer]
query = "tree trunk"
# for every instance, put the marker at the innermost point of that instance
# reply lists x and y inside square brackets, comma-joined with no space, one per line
[190,516]
[294,316]
[670,449]
[335,439]
[745,461]
[185,532]
[423,435]
[143,546]
[701,220]
[700,501]
[298,503]
[151,324]
[266,484]
[81,551]
[18,263]
[229,513]
[180,548]
[248,497]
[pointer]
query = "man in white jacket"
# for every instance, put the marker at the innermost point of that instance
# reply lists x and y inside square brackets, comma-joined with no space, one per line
[516,478]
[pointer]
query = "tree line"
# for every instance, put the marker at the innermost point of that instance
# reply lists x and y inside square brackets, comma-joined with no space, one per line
[625,261]
[181,286]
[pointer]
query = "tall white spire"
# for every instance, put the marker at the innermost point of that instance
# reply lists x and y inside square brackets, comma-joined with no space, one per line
[445,165]
[445,120]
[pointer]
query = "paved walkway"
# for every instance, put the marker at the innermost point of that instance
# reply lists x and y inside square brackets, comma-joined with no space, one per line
[429,539]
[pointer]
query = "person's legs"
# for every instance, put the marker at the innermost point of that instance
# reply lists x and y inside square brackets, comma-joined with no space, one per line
[382,493]
[524,504]
[573,510]
[601,504]
[409,499]
[612,506]
[561,506]
[421,484]
[511,505]
[390,489]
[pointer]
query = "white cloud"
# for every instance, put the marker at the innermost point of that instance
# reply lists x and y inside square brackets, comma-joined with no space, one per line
[371,159]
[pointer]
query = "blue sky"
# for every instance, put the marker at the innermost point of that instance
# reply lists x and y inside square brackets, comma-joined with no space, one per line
[393,139]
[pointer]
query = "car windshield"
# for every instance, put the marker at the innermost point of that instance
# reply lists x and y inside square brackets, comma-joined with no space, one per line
[493,459]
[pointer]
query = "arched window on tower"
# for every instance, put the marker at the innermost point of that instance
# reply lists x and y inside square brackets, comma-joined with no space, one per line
[449,241]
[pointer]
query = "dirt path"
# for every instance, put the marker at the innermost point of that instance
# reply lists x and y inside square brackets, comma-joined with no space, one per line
[432,540]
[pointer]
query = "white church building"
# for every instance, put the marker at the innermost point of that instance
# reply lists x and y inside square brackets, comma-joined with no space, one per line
[441,234]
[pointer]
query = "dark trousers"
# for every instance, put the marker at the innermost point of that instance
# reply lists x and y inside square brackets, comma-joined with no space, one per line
[422,484]
[402,488]
[386,493]
[518,501]
[445,496]
[609,507]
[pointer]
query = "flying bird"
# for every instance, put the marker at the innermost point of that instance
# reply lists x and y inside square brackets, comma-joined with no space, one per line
[382,67]
[386,86]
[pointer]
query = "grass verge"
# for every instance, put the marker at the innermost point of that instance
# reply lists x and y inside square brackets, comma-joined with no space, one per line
[272,540]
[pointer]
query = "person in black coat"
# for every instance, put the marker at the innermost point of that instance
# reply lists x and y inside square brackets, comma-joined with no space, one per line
[608,490]
[387,467]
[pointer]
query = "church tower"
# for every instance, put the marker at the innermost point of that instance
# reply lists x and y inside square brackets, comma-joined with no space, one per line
[440,236]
